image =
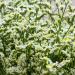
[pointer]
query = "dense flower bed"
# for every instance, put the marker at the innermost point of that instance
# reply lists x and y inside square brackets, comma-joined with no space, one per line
[37,37]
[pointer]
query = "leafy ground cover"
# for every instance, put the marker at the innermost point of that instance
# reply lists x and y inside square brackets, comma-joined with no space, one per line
[37,37]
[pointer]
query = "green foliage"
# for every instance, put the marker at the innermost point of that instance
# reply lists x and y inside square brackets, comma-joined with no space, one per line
[37,37]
